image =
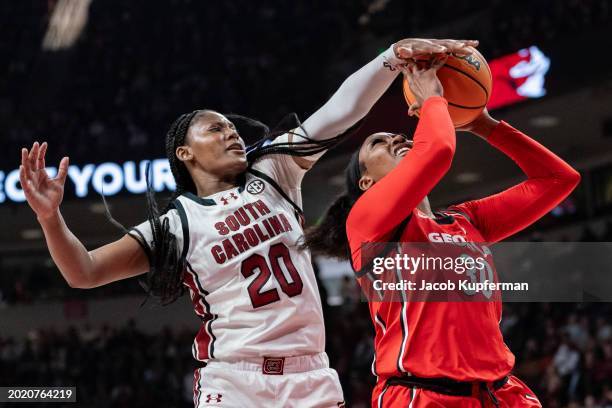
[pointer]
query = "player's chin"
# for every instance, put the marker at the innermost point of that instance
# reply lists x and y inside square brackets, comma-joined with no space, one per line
[236,163]
[397,160]
[388,166]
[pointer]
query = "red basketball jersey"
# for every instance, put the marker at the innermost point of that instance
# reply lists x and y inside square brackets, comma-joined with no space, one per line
[459,340]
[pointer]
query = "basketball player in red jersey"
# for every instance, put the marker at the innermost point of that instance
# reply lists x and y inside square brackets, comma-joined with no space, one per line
[434,354]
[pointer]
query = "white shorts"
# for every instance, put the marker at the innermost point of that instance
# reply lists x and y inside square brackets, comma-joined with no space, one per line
[304,382]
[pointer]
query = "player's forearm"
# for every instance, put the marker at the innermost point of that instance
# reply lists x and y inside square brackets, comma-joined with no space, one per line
[550,181]
[68,253]
[424,166]
[413,178]
[355,97]
[535,160]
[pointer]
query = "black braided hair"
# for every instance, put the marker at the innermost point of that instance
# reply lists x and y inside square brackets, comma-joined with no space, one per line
[306,146]
[174,138]
[329,237]
[167,265]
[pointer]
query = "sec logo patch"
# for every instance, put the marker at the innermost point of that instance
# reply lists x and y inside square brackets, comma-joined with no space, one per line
[255,187]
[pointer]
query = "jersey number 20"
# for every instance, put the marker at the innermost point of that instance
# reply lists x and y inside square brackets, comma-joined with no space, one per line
[278,253]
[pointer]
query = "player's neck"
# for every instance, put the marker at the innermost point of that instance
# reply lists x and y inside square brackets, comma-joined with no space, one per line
[425,208]
[207,184]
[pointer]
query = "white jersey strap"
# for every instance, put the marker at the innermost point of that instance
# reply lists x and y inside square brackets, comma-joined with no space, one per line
[141,241]
[184,225]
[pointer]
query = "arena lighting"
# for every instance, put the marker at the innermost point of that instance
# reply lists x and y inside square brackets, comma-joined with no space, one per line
[66,24]
[108,178]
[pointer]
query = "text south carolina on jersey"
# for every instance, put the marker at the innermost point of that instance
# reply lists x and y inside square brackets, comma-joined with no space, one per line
[260,228]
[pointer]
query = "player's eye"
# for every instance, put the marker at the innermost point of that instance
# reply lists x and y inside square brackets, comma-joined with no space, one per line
[214,129]
[377,140]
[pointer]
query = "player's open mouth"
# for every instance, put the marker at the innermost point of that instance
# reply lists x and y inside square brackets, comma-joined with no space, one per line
[402,151]
[402,148]
[237,147]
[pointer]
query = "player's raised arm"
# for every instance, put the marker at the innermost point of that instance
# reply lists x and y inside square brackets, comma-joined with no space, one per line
[121,259]
[406,185]
[360,91]
[549,181]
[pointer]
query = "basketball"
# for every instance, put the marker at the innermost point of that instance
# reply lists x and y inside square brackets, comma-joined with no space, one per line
[467,83]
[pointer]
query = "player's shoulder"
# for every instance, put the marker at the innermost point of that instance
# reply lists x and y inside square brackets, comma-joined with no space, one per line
[260,182]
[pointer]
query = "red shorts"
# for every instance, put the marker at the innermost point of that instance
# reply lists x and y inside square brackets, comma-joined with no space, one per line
[513,394]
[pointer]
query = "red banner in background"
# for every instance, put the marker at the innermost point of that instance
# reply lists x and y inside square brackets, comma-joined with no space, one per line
[518,76]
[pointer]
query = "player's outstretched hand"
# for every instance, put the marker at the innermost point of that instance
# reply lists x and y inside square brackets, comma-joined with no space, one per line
[43,194]
[410,48]
[424,82]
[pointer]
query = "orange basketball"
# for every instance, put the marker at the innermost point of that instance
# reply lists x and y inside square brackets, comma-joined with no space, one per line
[467,86]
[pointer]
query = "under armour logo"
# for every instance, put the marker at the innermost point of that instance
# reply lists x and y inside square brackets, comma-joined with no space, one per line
[225,200]
[255,187]
[213,397]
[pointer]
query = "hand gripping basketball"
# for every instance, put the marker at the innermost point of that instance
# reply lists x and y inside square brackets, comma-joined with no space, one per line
[412,48]
[467,83]
[424,82]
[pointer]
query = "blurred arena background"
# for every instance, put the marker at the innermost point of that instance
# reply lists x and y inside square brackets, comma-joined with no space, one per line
[102,80]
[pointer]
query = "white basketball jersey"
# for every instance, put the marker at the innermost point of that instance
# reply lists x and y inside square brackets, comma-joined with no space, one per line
[252,286]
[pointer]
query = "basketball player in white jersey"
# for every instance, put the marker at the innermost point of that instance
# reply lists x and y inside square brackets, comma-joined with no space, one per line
[231,235]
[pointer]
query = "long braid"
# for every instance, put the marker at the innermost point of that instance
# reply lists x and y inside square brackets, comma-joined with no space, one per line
[175,138]
[329,237]
[306,146]
[167,265]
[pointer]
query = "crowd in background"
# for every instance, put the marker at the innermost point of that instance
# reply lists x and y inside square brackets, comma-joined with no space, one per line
[109,367]
[563,352]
